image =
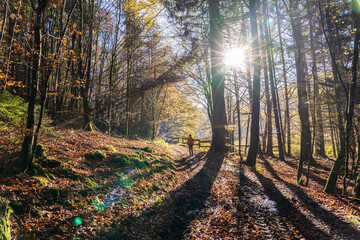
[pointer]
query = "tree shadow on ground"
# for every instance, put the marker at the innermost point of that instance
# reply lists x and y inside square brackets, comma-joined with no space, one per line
[173,217]
[335,224]
[313,177]
[286,209]
[190,163]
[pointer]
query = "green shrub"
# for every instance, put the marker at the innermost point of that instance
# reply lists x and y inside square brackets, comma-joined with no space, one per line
[163,144]
[96,155]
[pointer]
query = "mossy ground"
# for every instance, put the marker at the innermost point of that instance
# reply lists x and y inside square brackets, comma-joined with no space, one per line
[76,175]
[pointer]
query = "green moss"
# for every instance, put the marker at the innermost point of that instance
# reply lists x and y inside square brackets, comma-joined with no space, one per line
[113,235]
[70,203]
[121,159]
[68,173]
[51,162]
[12,110]
[96,155]
[40,151]
[37,214]
[137,163]
[146,149]
[155,187]
[20,208]
[110,148]
[41,180]
[36,170]
[158,202]
[5,224]
[89,183]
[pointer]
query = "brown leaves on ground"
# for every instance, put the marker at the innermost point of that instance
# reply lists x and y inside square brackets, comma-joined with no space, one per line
[207,196]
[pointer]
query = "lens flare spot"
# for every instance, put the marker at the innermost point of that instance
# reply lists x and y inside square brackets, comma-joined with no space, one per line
[355,5]
[77,221]
[98,205]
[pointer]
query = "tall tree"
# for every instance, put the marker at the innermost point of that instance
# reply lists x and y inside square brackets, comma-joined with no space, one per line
[272,83]
[303,108]
[217,78]
[27,149]
[287,109]
[255,112]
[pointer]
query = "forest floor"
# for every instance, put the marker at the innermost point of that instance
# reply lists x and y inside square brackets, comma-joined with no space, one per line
[158,192]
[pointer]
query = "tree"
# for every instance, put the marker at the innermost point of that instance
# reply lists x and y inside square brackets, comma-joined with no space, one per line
[272,84]
[28,146]
[217,78]
[303,108]
[254,137]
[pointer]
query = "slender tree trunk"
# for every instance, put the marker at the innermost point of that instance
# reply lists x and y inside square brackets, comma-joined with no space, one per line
[303,108]
[351,101]
[272,84]
[128,72]
[6,10]
[85,88]
[287,111]
[27,154]
[331,182]
[319,136]
[237,99]
[217,81]
[268,124]
[254,137]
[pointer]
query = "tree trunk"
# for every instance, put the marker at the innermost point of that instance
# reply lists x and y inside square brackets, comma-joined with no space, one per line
[272,84]
[303,108]
[268,124]
[351,101]
[217,82]
[287,111]
[255,111]
[331,182]
[27,154]
[319,136]
[85,87]
[237,100]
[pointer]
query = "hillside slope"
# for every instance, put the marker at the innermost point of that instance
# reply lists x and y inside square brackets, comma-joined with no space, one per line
[82,183]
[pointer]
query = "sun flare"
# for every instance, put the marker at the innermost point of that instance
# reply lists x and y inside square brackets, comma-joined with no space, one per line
[235,57]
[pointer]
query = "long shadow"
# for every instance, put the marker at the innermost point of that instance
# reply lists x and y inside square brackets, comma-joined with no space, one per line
[336,224]
[314,177]
[190,163]
[286,209]
[183,204]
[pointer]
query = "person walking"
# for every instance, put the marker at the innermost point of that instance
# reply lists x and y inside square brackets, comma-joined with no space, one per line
[190,143]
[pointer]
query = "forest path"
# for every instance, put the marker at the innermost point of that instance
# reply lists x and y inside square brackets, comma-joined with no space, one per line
[216,198]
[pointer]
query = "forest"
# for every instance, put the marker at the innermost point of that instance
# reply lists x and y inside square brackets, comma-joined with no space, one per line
[99,98]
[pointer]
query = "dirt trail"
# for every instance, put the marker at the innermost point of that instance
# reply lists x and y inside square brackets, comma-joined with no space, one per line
[214,199]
